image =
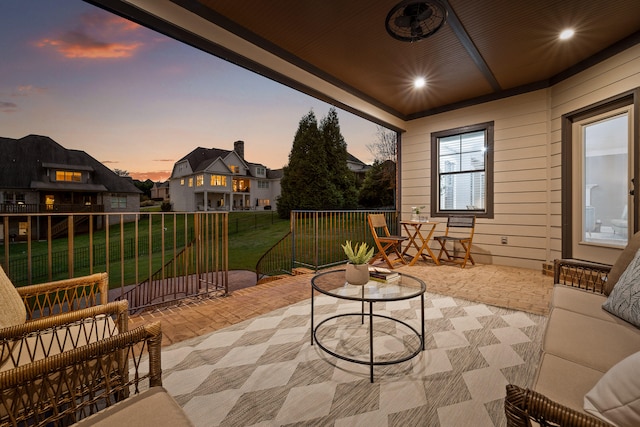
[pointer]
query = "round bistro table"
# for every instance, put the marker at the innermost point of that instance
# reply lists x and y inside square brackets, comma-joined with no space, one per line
[332,283]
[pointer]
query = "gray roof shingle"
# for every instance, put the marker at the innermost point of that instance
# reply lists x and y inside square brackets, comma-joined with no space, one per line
[23,161]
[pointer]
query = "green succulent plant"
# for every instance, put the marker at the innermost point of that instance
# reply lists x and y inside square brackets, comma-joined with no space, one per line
[358,253]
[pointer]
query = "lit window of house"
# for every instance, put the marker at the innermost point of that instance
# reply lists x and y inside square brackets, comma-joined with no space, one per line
[49,201]
[190,182]
[199,180]
[69,176]
[234,168]
[218,181]
[118,201]
[264,202]
[241,185]
[181,181]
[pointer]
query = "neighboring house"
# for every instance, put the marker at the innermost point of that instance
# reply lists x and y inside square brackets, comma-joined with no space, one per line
[160,191]
[358,167]
[215,179]
[38,175]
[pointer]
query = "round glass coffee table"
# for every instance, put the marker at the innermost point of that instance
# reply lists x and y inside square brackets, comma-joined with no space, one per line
[332,283]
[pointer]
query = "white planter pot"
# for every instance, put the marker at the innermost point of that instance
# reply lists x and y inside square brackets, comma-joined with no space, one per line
[357,274]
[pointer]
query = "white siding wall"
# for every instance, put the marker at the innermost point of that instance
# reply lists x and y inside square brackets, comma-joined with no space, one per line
[527,148]
[181,195]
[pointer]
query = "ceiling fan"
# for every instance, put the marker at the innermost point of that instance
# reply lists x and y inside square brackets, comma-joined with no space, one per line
[413,20]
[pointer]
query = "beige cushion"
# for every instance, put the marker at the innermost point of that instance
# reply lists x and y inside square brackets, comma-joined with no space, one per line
[13,311]
[153,407]
[54,341]
[564,381]
[616,397]
[583,302]
[588,341]
[621,263]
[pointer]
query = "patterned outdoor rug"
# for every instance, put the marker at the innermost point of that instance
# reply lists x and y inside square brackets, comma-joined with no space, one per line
[265,372]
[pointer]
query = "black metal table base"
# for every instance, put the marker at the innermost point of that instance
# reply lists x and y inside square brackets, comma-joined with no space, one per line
[371,362]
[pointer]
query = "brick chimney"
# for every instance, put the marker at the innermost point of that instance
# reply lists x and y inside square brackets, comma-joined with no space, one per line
[238,147]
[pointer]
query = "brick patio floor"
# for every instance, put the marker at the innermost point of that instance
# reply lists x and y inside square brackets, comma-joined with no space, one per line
[520,289]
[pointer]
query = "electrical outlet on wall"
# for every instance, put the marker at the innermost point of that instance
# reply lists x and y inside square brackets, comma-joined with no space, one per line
[504,240]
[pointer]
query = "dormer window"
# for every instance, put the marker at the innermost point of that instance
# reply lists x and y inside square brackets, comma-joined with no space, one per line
[234,168]
[69,176]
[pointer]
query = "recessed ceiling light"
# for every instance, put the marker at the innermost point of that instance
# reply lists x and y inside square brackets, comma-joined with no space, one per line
[566,34]
[419,82]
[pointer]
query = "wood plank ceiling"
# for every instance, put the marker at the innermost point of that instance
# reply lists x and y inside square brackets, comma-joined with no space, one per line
[486,49]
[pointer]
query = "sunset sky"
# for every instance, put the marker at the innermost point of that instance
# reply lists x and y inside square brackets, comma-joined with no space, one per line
[139,101]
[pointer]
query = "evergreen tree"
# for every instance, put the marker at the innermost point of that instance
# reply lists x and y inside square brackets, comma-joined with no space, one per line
[317,176]
[336,148]
[378,188]
[305,182]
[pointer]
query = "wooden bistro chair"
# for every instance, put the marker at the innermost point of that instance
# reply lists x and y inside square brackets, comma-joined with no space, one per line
[387,244]
[463,226]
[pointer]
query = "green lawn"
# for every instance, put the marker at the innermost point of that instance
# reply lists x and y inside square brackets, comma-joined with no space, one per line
[247,246]
[251,234]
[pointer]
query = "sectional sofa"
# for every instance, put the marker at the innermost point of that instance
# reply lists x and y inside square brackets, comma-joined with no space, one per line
[589,373]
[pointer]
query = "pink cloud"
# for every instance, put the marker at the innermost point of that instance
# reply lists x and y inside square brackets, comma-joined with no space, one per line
[99,35]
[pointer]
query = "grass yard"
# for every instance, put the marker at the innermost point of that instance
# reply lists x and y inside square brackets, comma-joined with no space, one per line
[251,234]
[247,246]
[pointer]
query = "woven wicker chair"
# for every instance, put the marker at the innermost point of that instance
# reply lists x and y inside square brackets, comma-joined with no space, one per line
[31,341]
[50,298]
[523,405]
[67,387]
[39,321]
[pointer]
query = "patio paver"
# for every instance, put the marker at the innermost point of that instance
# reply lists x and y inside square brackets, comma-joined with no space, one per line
[516,288]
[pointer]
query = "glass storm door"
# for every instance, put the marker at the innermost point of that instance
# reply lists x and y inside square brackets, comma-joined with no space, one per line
[602,186]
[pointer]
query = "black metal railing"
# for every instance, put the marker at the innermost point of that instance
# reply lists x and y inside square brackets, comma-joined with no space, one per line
[315,240]
[48,208]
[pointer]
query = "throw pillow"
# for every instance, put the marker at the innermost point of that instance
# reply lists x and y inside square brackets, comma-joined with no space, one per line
[624,300]
[616,397]
[13,311]
[622,262]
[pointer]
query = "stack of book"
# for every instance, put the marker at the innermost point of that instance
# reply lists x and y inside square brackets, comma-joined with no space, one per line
[383,275]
